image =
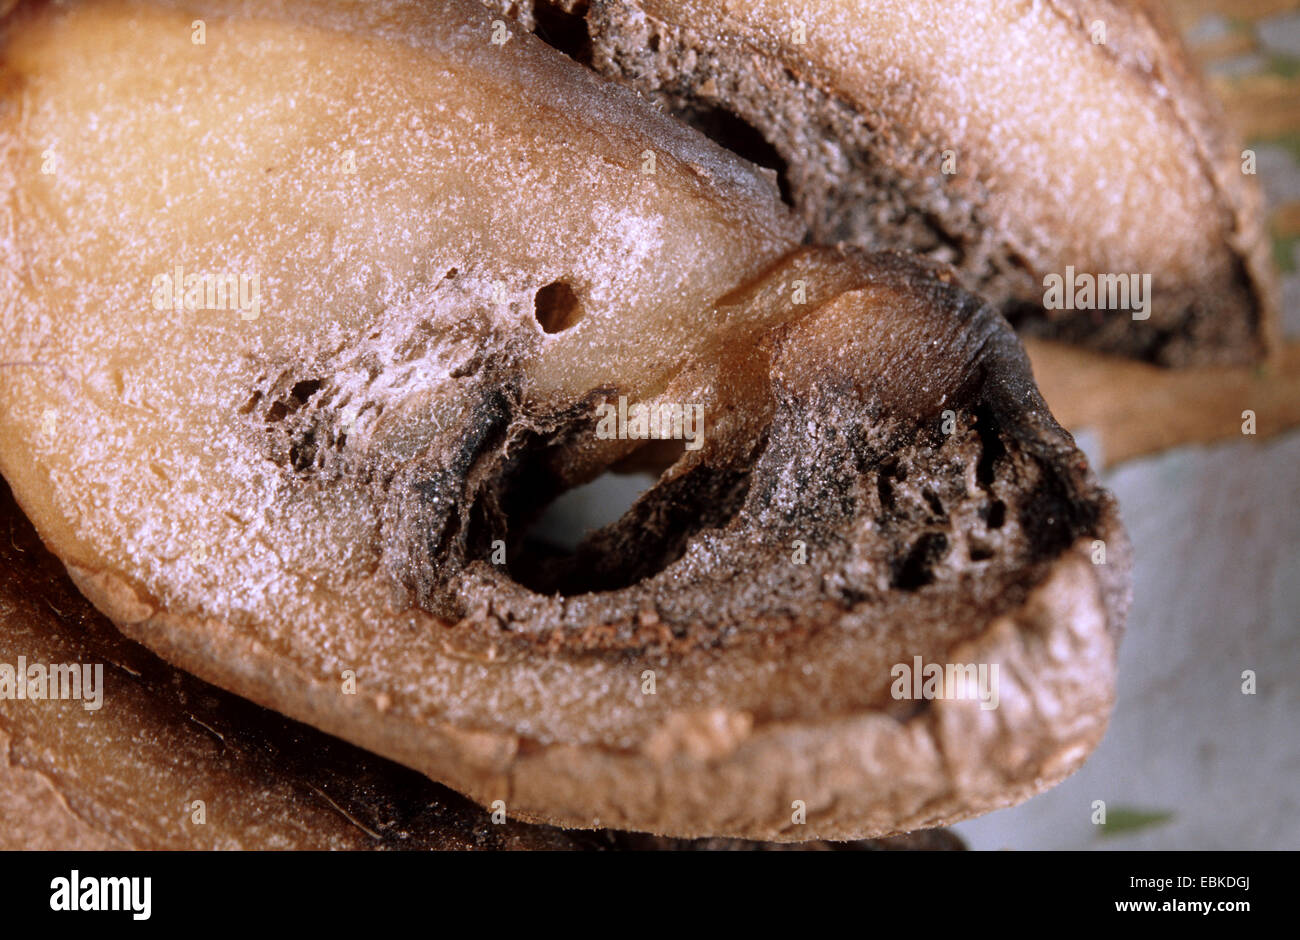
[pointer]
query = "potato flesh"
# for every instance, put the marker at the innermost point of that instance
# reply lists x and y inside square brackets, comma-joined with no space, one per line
[1082,161]
[233,157]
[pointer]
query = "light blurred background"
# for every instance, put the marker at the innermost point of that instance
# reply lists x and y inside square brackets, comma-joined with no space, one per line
[1189,761]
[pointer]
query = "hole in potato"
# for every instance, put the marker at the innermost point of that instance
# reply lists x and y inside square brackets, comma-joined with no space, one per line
[578,512]
[915,569]
[556,307]
[995,514]
[618,529]
[304,390]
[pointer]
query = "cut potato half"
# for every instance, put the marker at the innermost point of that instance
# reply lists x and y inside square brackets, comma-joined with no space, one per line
[459,273]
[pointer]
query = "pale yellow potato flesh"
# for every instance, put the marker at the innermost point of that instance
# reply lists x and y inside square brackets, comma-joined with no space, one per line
[233,157]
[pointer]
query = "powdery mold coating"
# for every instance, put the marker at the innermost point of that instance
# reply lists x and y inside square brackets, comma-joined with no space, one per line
[334,476]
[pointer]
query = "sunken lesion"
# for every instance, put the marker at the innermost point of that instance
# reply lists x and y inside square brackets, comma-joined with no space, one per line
[898,518]
[650,537]
[461,516]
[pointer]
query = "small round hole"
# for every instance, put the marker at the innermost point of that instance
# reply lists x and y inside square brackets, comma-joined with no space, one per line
[556,307]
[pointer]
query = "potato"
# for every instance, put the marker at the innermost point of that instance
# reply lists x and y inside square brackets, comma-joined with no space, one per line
[315,488]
